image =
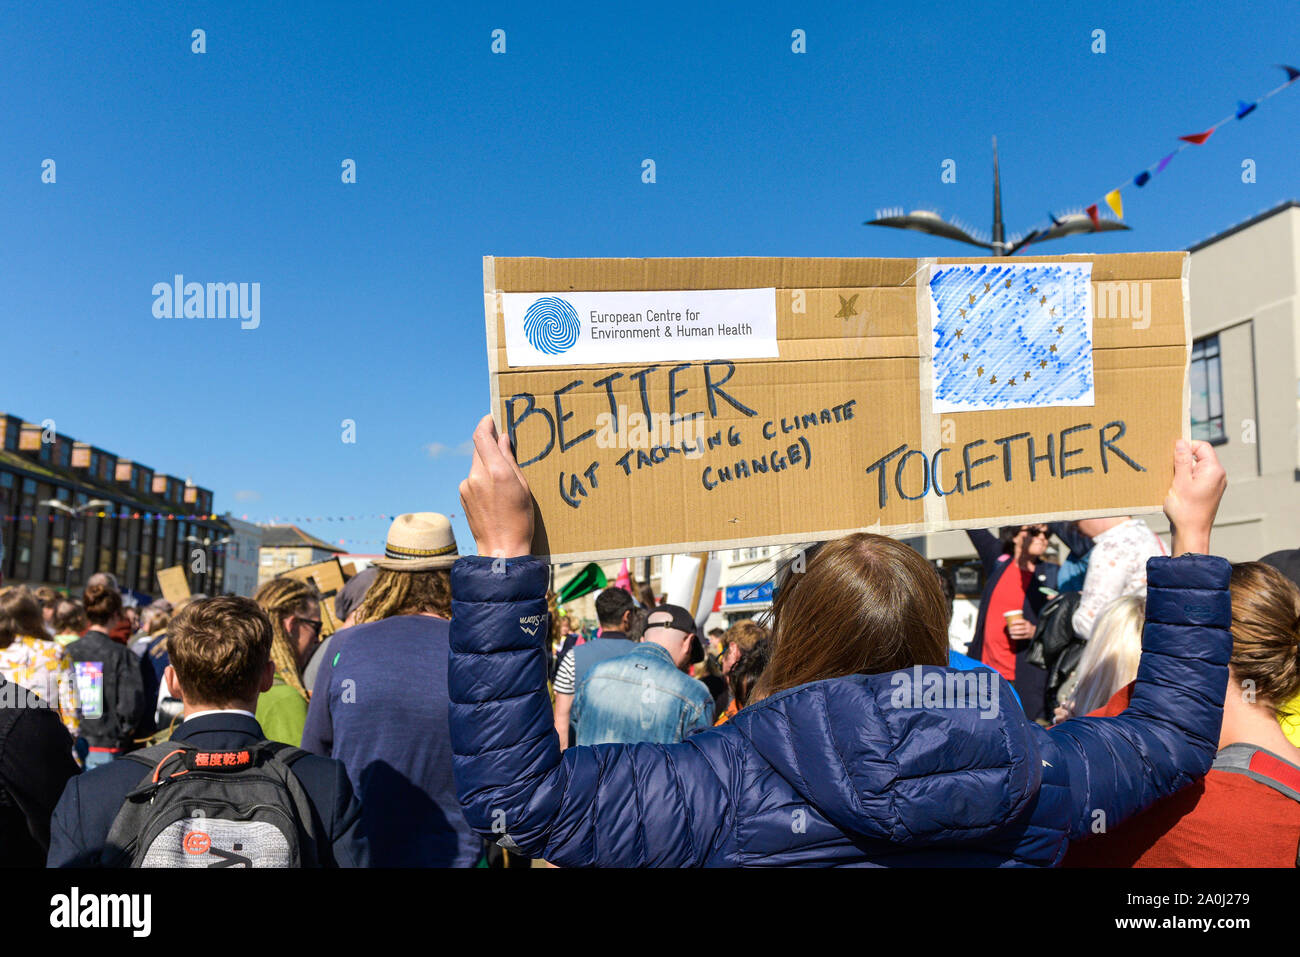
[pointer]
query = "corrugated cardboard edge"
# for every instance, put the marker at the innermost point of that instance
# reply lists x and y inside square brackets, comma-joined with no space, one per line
[795,538]
[1187,341]
[491,306]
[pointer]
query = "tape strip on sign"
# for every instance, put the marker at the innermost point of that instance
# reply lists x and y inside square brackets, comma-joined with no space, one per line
[583,328]
[936,507]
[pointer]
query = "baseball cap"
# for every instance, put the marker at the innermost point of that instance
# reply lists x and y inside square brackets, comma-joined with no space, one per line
[1286,561]
[354,592]
[682,621]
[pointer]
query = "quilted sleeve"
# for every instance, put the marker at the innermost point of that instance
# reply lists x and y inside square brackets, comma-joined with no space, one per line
[1169,734]
[611,805]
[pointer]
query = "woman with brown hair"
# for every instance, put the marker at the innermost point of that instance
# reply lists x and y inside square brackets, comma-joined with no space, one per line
[32,660]
[294,609]
[865,749]
[1246,811]
[110,679]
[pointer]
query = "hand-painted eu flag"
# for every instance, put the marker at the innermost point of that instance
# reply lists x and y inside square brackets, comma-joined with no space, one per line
[1011,336]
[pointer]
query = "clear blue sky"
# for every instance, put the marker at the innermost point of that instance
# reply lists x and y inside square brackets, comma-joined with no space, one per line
[226,167]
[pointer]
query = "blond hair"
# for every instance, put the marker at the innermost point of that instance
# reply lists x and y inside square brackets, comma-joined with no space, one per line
[1110,659]
[394,593]
[280,598]
[1266,634]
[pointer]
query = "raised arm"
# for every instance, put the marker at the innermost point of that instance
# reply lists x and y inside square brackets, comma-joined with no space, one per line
[1078,543]
[610,805]
[987,546]
[1169,734]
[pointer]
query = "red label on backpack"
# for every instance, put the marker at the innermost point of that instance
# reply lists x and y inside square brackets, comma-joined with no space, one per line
[222,759]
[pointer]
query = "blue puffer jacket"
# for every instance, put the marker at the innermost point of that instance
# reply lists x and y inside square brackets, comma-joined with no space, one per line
[830,772]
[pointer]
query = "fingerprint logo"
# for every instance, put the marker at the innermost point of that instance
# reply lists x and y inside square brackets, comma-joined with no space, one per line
[551,325]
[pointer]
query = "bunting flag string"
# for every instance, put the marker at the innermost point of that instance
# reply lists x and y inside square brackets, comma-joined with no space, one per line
[51,515]
[1244,109]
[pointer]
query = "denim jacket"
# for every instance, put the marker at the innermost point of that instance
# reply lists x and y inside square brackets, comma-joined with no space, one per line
[640,696]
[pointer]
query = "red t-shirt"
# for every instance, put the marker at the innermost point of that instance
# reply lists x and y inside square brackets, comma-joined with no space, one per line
[999,651]
[1223,820]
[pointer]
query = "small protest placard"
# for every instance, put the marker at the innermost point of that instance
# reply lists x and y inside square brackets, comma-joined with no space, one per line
[173,583]
[327,578]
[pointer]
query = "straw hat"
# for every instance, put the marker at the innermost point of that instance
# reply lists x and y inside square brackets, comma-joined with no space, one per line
[419,541]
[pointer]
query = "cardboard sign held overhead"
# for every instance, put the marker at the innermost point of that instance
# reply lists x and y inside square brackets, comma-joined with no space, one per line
[683,405]
[327,577]
[173,583]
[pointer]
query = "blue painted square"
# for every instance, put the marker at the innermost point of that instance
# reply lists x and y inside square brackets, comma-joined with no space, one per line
[1012,336]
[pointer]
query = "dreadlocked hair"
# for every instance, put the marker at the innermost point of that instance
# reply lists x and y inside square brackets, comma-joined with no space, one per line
[280,598]
[395,593]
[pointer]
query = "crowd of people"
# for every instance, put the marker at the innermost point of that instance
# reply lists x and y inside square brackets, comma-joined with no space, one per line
[1124,707]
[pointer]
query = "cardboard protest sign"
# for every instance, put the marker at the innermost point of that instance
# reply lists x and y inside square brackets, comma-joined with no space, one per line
[327,577]
[691,581]
[720,403]
[173,583]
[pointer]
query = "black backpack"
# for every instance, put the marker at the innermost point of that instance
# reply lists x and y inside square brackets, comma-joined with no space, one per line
[1054,647]
[196,808]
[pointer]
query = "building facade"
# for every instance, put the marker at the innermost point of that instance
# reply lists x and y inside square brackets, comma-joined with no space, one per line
[285,547]
[241,556]
[69,509]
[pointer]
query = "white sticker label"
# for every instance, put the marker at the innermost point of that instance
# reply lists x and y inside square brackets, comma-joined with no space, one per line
[579,328]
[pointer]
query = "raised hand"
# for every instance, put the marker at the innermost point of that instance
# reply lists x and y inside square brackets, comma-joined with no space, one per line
[1194,496]
[495,496]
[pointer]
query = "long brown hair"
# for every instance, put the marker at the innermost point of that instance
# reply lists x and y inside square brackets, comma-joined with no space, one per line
[1265,632]
[280,598]
[395,593]
[20,615]
[865,605]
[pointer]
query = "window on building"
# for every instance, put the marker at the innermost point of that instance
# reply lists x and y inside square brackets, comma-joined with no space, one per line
[1207,391]
[160,546]
[268,560]
[24,533]
[59,527]
[7,506]
[146,556]
[122,556]
[107,542]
